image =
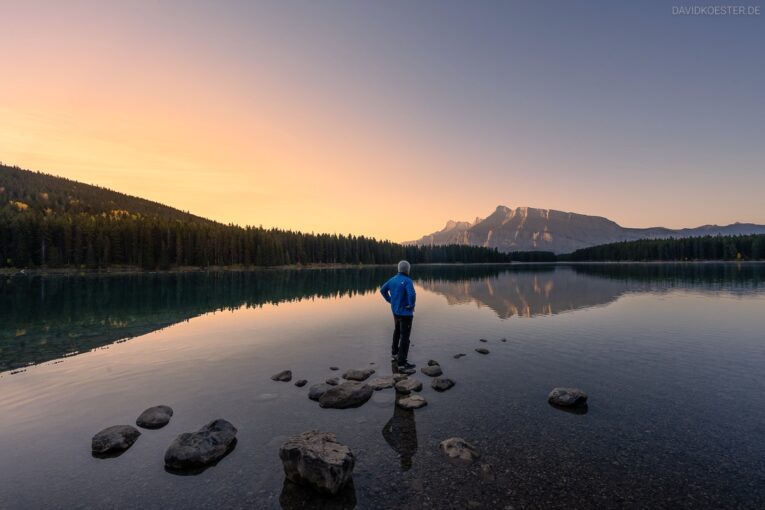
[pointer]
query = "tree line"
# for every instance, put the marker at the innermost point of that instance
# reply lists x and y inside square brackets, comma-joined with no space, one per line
[741,247]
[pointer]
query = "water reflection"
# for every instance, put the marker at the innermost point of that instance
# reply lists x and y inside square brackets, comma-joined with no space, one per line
[47,318]
[297,497]
[400,432]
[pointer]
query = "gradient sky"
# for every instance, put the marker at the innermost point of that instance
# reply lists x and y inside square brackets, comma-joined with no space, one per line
[387,118]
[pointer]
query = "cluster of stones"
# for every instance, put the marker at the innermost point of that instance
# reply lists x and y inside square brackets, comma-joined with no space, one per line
[188,450]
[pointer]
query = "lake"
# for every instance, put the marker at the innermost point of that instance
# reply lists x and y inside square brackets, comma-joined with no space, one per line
[672,357]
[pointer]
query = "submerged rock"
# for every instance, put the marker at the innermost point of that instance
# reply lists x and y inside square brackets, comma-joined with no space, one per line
[382,383]
[458,448]
[347,394]
[408,385]
[481,350]
[432,370]
[155,417]
[283,376]
[567,397]
[317,390]
[317,460]
[458,356]
[205,446]
[442,383]
[116,438]
[412,402]
[301,383]
[358,375]
[333,381]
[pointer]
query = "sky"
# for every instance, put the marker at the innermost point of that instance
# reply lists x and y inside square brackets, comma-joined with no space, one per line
[388,118]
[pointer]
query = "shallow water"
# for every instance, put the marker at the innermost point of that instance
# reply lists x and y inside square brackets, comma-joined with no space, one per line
[672,357]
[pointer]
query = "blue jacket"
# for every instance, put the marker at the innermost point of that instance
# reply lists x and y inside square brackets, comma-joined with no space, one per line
[399,292]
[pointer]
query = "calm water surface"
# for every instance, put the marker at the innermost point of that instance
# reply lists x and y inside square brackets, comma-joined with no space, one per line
[672,356]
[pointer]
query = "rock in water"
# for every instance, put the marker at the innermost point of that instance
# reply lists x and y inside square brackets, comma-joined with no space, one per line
[317,390]
[301,383]
[155,417]
[348,394]
[458,356]
[432,370]
[407,371]
[283,376]
[567,397]
[196,449]
[441,383]
[317,460]
[382,383]
[432,362]
[412,402]
[481,350]
[458,448]
[334,368]
[482,340]
[399,377]
[114,439]
[503,339]
[358,375]
[408,385]
[333,381]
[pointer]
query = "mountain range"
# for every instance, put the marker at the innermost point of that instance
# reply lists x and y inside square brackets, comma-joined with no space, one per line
[530,229]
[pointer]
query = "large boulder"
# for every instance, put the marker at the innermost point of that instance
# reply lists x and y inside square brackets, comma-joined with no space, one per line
[432,370]
[317,390]
[348,394]
[412,402]
[114,439]
[358,374]
[567,397]
[317,460]
[155,417]
[408,385]
[441,383]
[205,446]
[458,448]
[283,376]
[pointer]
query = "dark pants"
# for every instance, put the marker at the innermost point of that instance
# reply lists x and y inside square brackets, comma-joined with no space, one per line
[401,337]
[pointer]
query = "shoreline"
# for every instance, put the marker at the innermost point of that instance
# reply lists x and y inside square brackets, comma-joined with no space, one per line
[129,270]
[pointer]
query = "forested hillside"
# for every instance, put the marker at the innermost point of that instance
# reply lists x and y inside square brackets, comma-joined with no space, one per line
[48,221]
[747,247]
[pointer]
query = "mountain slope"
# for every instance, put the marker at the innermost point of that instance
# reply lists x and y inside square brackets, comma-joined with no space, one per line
[529,229]
[43,193]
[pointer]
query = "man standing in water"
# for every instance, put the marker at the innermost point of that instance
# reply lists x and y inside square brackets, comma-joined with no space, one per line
[399,292]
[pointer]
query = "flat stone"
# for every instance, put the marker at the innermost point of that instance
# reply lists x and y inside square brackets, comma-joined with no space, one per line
[283,376]
[412,402]
[205,446]
[317,460]
[399,377]
[458,448]
[382,383]
[333,381]
[116,438]
[317,390]
[301,383]
[345,395]
[458,356]
[408,385]
[358,374]
[407,371]
[432,370]
[481,350]
[567,397]
[441,383]
[155,417]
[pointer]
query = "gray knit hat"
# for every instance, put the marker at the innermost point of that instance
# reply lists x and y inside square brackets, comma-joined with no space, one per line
[404,267]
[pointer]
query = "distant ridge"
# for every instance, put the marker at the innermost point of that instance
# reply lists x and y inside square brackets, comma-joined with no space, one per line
[530,229]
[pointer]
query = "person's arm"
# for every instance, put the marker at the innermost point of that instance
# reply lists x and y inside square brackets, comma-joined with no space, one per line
[410,295]
[385,291]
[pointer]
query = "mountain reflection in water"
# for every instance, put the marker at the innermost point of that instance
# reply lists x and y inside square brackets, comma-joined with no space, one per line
[43,318]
